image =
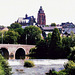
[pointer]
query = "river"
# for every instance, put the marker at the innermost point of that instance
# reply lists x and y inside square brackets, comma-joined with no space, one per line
[41,67]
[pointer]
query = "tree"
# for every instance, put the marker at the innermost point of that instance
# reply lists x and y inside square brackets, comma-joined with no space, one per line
[33,34]
[11,37]
[21,39]
[15,25]
[48,39]
[40,51]
[72,54]
[66,44]
[53,24]
[55,44]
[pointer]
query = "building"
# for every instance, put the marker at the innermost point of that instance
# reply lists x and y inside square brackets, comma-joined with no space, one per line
[68,25]
[41,18]
[2,28]
[49,29]
[27,20]
[68,28]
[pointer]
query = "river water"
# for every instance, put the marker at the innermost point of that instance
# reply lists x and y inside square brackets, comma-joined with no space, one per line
[41,67]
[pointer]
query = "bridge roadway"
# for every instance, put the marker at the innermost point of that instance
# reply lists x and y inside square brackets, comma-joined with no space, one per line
[15,51]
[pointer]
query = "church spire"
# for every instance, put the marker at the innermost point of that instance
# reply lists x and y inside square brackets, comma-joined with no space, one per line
[41,19]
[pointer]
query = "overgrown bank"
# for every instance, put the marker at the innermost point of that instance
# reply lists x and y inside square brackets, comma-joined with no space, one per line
[4,67]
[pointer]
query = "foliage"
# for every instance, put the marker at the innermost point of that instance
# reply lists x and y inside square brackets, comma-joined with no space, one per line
[21,38]
[69,69]
[32,50]
[55,39]
[66,41]
[5,68]
[53,24]
[11,37]
[72,54]
[15,26]
[33,34]
[46,25]
[48,39]
[55,44]
[28,63]
[1,70]
[52,46]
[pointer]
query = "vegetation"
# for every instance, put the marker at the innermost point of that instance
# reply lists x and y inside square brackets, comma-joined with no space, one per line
[55,44]
[46,25]
[16,34]
[72,54]
[69,70]
[15,26]
[11,37]
[28,63]
[53,24]
[33,34]
[4,67]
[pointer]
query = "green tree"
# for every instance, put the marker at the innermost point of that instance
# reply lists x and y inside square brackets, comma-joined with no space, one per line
[0,37]
[53,24]
[66,44]
[55,44]
[48,39]
[72,54]
[33,34]
[21,38]
[11,37]
[40,51]
[14,26]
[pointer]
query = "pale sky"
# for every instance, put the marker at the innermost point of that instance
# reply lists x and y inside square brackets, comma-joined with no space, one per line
[57,11]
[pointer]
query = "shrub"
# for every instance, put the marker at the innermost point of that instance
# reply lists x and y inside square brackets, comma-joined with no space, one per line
[6,70]
[28,63]
[1,70]
[69,70]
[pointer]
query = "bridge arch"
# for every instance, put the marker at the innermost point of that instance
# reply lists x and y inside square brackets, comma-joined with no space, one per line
[20,53]
[5,53]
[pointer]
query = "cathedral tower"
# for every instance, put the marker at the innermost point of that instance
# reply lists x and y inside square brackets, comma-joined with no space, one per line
[41,19]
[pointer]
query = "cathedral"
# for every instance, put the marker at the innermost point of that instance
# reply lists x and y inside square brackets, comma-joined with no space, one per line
[41,19]
[30,20]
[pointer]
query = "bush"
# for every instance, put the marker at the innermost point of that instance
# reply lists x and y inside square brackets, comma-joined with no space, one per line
[1,70]
[28,63]
[4,67]
[69,70]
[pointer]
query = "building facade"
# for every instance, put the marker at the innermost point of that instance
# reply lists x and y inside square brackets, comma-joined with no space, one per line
[41,18]
[28,20]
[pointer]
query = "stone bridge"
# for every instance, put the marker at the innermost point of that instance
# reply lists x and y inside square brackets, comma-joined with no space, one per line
[15,51]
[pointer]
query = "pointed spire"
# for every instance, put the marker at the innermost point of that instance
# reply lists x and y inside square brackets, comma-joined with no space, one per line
[41,10]
[40,7]
[26,16]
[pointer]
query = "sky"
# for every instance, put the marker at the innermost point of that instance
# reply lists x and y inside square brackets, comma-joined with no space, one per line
[56,11]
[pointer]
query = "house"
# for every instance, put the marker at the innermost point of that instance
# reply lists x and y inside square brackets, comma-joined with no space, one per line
[49,29]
